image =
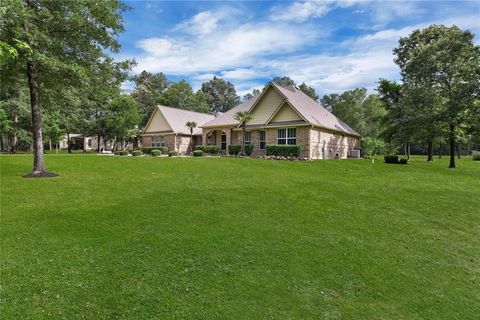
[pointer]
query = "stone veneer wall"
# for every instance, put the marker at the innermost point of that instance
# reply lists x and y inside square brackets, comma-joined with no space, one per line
[182,143]
[327,145]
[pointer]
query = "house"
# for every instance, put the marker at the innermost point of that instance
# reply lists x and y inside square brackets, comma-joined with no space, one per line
[167,128]
[284,115]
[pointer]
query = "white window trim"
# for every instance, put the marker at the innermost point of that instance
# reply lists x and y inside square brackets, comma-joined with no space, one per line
[287,137]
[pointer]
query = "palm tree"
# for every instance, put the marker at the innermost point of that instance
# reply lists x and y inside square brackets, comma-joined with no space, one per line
[191,125]
[243,117]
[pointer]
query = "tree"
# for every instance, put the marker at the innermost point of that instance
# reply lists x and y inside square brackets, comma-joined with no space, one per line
[59,40]
[287,81]
[180,95]
[348,107]
[148,90]
[191,125]
[398,120]
[122,119]
[220,95]
[52,128]
[5,127]
[243,117]
[255,93]
[446,60]
[309,91]
[283,81]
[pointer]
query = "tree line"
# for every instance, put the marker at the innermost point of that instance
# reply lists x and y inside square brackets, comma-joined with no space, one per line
[58,78]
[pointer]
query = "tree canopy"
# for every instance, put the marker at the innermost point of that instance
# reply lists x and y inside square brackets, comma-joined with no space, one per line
[220,95]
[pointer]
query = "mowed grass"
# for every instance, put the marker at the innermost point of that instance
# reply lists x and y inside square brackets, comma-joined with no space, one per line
[220,238]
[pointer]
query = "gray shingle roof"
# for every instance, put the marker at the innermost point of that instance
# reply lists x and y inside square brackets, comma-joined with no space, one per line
[308,108]
[228,118]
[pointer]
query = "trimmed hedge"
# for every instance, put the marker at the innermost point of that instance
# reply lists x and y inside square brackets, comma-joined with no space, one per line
[403,161]
[156,153]
[210,149]
[476,156]
[172,153]
[200,147]
[391,159]
[149,150]
[234,149]
[249,149]
[198,153]
[123,153]
[283,150]
[136,153]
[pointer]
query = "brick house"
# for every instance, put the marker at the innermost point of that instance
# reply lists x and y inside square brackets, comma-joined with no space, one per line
[167,128]
[284,115]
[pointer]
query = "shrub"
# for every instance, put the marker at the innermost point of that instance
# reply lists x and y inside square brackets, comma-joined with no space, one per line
[136,153]
[124,153]
[156,153]
[476,156]
[403,161]
[149,150]
[200,147]
[212,149]
[172,153]
[117,153]
[249,149]
[280,150]
[197,153]
[234,149]
[391,159]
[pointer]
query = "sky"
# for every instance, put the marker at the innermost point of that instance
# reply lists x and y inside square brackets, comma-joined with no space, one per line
[332,46]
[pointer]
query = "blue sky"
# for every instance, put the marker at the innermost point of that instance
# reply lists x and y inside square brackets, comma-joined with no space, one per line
[331,45]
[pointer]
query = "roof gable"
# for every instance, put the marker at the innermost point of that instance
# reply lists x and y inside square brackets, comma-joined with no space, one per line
[175,120]
[265,106]
[157,122]
[313,112]
[309,110]
[284,113]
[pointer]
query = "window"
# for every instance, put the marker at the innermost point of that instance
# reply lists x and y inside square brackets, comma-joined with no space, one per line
[248,137]
[262,140]
[158,141]
[287,136]
[224,141]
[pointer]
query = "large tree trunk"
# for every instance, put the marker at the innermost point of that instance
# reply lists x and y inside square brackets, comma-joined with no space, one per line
[84,144]
[408,150]
[430,151]
[39,169]
[440,151]
[452,146]
[98,143]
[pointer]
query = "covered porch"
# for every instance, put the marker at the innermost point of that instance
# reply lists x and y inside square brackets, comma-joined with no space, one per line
[220,137]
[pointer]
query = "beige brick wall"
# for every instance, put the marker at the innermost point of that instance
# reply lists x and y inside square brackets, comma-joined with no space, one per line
[327,145]
[303,139]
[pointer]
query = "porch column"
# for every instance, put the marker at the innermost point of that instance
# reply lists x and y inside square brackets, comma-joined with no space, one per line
[228,133]
[204,136]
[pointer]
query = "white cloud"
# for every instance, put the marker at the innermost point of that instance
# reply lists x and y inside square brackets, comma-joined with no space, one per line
[300,11]
[243,53]
[225,50]
[205,22]
[303,11]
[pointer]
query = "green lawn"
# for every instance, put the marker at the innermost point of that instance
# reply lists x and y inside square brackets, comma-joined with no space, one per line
[221,238]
